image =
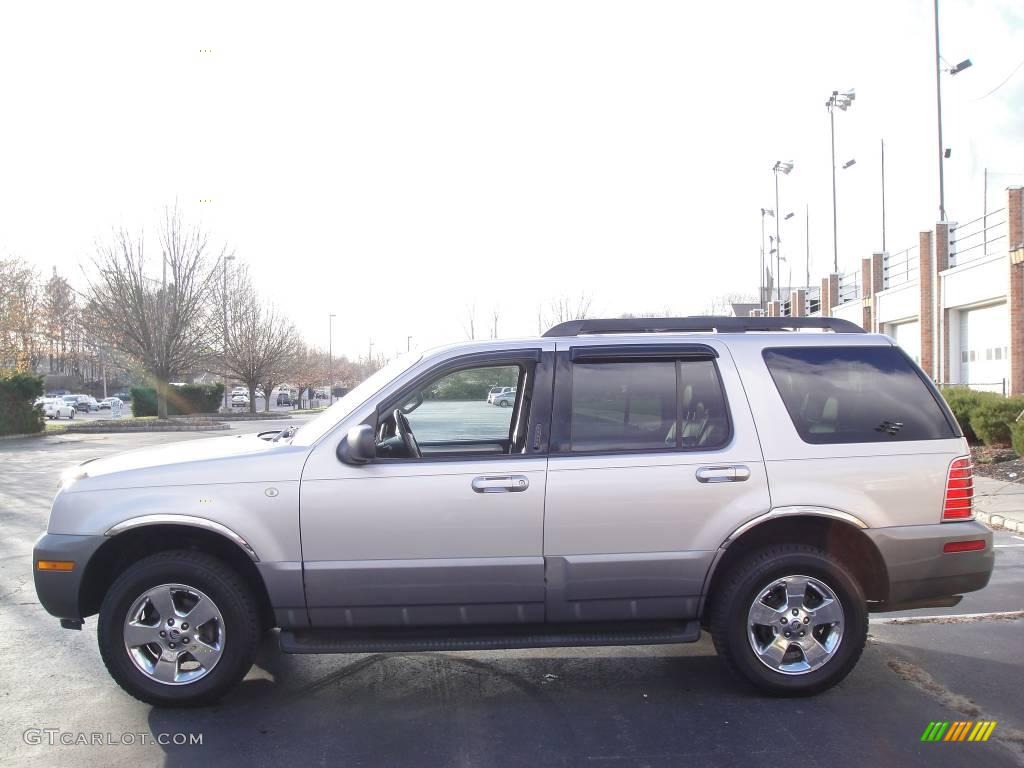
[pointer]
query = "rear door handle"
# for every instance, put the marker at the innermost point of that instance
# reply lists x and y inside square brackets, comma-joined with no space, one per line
[500,483]
[723,473]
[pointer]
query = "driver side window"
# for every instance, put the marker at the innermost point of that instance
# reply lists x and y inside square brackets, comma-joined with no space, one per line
[470,411]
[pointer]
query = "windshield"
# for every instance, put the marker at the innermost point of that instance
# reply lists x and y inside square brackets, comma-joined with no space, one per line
[322,424]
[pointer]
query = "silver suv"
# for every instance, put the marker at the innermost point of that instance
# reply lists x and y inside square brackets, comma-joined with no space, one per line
[655,477]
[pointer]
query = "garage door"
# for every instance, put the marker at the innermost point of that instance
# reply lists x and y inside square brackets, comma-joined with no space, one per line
[908,336]
[984,347]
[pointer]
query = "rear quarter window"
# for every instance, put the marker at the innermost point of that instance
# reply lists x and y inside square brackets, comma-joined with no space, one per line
[856,395]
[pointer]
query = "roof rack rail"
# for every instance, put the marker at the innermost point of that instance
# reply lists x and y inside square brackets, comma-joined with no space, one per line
[700,324]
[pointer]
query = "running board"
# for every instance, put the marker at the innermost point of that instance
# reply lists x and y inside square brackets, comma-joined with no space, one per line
[485,638]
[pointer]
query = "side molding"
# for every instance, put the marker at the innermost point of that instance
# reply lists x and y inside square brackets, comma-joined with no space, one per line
[778,512]
[195,522]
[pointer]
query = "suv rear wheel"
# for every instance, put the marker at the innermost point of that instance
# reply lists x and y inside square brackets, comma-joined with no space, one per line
[791,620]
[178,628]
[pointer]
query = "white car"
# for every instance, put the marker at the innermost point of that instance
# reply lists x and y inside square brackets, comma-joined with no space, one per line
[112,404]
[56,408]
[498,392]
[241,399]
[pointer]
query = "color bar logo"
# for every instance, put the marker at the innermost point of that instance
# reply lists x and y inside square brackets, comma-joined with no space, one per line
[959,731]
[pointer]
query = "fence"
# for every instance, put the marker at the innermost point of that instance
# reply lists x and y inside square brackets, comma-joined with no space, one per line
[977,238]
[849,287]
[813,300]
[900,268]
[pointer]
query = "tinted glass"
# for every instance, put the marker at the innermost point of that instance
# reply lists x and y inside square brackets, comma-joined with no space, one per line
[856,395]
[637,406]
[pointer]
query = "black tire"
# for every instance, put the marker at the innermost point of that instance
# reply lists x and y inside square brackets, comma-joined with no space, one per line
[734,597]
[200,571]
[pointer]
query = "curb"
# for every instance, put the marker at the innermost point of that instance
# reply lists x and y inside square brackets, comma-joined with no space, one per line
[994,520]
[144,428]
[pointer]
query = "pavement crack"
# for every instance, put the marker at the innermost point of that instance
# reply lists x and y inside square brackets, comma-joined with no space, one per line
[966,618]
[1010,737]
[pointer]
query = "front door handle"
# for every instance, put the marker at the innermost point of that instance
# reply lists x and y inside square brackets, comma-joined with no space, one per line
[723,473]
[500,483]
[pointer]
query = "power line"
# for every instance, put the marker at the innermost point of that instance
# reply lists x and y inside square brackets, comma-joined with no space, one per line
[1008,78]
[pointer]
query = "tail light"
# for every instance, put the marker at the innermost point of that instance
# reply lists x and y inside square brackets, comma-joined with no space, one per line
[959,501]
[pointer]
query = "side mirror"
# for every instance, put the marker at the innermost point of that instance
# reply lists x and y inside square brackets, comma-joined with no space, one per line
[359,446]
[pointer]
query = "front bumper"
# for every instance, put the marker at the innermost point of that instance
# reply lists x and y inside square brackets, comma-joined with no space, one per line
[919,569]
[59,592]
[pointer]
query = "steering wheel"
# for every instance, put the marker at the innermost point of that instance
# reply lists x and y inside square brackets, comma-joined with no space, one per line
[404,431]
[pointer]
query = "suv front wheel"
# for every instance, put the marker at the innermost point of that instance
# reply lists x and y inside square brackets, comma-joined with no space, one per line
[791,620]
[178,628]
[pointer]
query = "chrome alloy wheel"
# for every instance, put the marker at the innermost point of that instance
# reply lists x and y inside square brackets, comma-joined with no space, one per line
[174,634]
[795,624]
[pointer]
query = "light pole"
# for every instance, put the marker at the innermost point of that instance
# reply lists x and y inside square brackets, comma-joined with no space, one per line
[330,358]
[224,310]
[938,109]
[784,168]
[842,101]
[408,343]
[761,283]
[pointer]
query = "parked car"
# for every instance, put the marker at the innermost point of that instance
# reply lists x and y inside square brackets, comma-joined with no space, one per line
[284,398]
[241,399]
[124,397]
[667,476]
[113,404]
[80,402]
[492,396]
[56,408]
[505,399]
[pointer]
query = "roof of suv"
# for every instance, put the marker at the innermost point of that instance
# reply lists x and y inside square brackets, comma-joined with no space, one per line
[758,331]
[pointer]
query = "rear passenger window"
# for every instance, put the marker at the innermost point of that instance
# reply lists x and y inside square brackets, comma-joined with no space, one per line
[856,395]
[647,405]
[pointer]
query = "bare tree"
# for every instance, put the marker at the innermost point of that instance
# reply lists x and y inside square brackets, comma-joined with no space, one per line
[565,308]
[166,324]
[469,322]
[20,315]
[259,339]
[60,313]
[495,315]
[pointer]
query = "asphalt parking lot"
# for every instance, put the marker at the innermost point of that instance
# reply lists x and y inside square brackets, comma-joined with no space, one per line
[644,706]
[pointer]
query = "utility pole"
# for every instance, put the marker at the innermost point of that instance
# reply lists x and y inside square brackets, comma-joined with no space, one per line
[224,311]
[984,219]
[330,357]
[807,242]
[938,106]
[883,196]
[408,343]
[369,354]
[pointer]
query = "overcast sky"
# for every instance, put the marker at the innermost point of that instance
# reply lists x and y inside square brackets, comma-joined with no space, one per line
[395,162]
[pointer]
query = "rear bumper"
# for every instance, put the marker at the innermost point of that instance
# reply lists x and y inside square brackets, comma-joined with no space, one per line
[59,591]
[919,570]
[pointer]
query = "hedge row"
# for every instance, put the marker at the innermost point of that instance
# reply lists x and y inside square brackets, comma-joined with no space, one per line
[987,417]
[18,392]
[181,401]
